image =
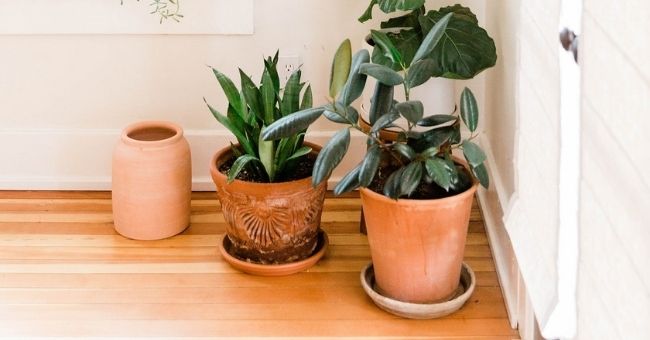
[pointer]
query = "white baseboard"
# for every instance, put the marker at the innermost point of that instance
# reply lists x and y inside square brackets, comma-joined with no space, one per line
[80,159]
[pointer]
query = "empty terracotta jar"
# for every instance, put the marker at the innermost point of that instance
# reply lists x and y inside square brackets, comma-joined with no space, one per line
[152,181]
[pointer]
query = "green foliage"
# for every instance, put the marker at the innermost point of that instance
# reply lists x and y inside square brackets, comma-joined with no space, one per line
[255,107]
[166,9]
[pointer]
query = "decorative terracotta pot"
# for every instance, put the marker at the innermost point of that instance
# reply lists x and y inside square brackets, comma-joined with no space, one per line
[417,246]
[269,223]
[152,181]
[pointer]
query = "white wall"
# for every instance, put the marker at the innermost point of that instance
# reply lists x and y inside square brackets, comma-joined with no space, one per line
[614,275]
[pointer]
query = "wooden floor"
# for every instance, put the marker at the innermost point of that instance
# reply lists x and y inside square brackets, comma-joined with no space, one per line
[65,272]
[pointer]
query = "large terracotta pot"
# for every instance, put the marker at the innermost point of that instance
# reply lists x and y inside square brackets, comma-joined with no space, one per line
[417,246]
[269,223]
[152,181]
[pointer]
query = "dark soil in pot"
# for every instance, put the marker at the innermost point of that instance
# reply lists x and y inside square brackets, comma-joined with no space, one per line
[301,168]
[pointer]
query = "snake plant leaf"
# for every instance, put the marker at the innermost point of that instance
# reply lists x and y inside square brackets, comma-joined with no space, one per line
[285,148]
[305,150]
[407,41]
[410,178]
[393,184]
[235,119]
[239,165]
[340,68]
[465,50]
[412,110]
[356,82]
[473,153]
[383,42]
[437,170]
[271,66]
[252,95]
[384,121]
[291,97]
[268,97]
[405,150]
[382,102]
[436,120]
[292,124]
[469,109]
[330,156]
[369,165]
[383,74]
[349,182]
[240,135]
[481,173]
[266,152]
[307,99]
[432,38]
[420,72]
[230,90]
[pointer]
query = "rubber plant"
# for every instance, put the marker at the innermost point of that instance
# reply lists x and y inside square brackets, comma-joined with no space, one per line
[415,159]
[254,107]
[465,48]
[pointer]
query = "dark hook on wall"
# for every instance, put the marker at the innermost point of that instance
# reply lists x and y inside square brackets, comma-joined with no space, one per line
[569,41]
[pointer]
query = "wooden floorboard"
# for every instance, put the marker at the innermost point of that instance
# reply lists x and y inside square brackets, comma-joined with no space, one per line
[65,272]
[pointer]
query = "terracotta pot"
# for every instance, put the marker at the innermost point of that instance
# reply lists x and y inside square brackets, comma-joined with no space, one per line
[152,181]
[417,246]
[269,223]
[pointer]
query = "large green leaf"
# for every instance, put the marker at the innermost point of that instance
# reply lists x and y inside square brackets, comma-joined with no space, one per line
[383,74]
[437,170]
[292,124]
[382,102]
[330,156]
[420,72]
[349,182]
[464,50]
[369,165]
[408,20]
[383,42]
[460,12]
[469,109]
[411,178]
[389,6]
[432,38]
[340,68]
[291,96]
[412,110]
[239,165]
[406,42]
[230,90]
[473,153]
[356,82]
[241,137]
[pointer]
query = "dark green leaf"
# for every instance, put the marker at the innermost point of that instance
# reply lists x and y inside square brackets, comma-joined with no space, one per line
[268,98]
[408,20]
[271,66]
[384,121]
[393,184]
[411,110]
[431,138]
[356,81]
[348,183]
[340,68]
[307,99]
[335,117]
[239,165]
[420,72]
[235,119]
[381,103]
[406,41]
[473,153]
[405,151]
[252,95]
[241,137]
[369,165]
[382,73]
[430,152]
[386,45]
[292,124]
[300,152]
[390,6]
[436,120]
[291,96]
[367,15]
[437,170]
[469,109]
[481,173]
[330,156]
[411,178]
[465,50]
[432,38]
[460,12]
[229,89]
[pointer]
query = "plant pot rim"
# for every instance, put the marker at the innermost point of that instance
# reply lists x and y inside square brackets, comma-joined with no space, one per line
[411,202]
[220,154]
[148,124]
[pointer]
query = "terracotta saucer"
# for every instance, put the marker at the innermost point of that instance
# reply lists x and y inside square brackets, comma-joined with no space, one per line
[274,269]
[418,310]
